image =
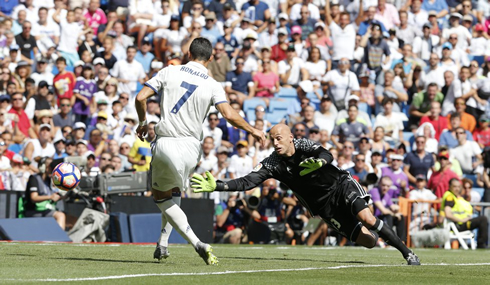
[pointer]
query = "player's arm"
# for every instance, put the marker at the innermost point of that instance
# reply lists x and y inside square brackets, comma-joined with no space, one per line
[140,105]
[237,121]
[317,157]
[209,184]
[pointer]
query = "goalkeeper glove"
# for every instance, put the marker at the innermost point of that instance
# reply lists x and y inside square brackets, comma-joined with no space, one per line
[311,164]
[201,184]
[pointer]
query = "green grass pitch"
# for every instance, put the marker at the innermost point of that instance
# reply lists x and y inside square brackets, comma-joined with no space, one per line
[24,263]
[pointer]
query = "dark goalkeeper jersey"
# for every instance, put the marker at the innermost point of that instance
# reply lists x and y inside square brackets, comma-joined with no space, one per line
[315,190]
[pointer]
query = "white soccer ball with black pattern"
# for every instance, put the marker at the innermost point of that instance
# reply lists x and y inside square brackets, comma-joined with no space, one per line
[66,176]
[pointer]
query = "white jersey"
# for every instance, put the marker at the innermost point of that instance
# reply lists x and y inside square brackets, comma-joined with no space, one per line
[187,92]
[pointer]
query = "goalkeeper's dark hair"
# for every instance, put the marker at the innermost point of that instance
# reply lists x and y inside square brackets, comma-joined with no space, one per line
[201,49]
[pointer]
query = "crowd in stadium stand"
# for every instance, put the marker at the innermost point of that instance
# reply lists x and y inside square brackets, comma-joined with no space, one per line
[397,90]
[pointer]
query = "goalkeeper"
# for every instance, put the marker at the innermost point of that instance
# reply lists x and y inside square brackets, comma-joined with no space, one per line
[321,187]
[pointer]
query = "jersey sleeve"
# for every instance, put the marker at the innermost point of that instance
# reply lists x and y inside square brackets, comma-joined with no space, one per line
[157,83]
[249,181]
[219,95]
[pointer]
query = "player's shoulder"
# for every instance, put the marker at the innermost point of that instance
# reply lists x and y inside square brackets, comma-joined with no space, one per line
[269,162]
[305,144]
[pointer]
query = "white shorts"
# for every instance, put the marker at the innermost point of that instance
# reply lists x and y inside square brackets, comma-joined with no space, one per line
[174,160]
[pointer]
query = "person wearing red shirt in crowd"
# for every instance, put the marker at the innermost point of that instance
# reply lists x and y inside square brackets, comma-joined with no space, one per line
[278,51]
[482,135]
[22,121]
[439,181]
[439,122]
[64,81]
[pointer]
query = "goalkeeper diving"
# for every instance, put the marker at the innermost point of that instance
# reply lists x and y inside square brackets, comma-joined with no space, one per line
[324,189]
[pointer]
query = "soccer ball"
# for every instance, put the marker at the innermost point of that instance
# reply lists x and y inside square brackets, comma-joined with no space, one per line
[66,176]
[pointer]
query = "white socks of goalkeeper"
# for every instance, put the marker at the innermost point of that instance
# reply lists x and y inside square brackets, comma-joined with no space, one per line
[167,227]
[177,218]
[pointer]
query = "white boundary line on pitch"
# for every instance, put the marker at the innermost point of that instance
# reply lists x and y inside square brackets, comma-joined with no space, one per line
[229,272]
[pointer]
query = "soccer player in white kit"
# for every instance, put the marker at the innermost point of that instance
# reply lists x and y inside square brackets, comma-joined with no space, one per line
[187,92]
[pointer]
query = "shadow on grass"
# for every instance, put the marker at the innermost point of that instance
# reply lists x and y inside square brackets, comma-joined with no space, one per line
[21,254]
[291,259]
[105,260]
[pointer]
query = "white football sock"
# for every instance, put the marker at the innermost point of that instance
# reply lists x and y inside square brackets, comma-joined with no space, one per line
[177,218]
[167,227]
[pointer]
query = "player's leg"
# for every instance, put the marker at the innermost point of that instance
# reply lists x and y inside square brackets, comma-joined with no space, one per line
[161,250]
[376,225]
[177,218]
[357,198]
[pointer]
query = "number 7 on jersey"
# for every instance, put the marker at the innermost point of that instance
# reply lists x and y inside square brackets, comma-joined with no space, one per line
[190,89]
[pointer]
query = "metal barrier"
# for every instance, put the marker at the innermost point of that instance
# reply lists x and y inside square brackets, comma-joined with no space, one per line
[421,212]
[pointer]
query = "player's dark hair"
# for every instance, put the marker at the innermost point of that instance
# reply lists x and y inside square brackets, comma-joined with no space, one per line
[201,49]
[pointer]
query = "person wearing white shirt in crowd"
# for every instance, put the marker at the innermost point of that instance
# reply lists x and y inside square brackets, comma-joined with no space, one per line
[153,109]
[128,72]
[458,55]
[47,33]
[479,43]
[417,16]
[212,130]
[208,157]
[392,122]
[343,34]
[405,31]
[29,8]
[341,82]
[70,32]
[454,90]
[196,15]
[464,36]
[422,211]
[241,163]
[268,37]
[424,45]
[291,70]
[294,14]
[260,115]
[42,73]
[468,153]
[325,117]
[474,104]
[433,73]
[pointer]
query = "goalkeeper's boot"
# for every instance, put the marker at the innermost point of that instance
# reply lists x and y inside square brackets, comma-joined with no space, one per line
[205,251]
[412,259]
[161,252]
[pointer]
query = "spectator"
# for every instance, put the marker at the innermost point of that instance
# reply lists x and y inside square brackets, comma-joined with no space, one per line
[279,50]
[462,33]
[83,99]
[439,181]
[221,168]
[266,83]
[363,117]
[374,49]
[231,42]
[325,117]
[260,115]
[421,211]
[64,82]
[21,120]
[42,74]
[291,69]
[144,56]
[439,122]
[422,101]
[427,130]
[439,6]
[220,65]
[448,137]
[27,43]
[359,169]
[350,129]
[241,163]
[395,171]
[475,106]
[386,210]
[257,11]
[468,121]
[418,162]
[387,14]
[390,90]
[140,154]
[41,147]
[70,33]
[468,153]
[456,209]
[212,130]
[128,72]
[341,82]
[240,82]
[230,217]
[482,135]
[424,44]
[345,159]
[208,157]
[392,122]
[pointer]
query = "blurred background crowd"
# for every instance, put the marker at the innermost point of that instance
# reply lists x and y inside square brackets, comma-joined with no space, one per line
[397,90]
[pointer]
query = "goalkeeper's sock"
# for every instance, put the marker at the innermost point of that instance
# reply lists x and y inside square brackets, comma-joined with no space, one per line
[177,218]
[389,237]
[167,227]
